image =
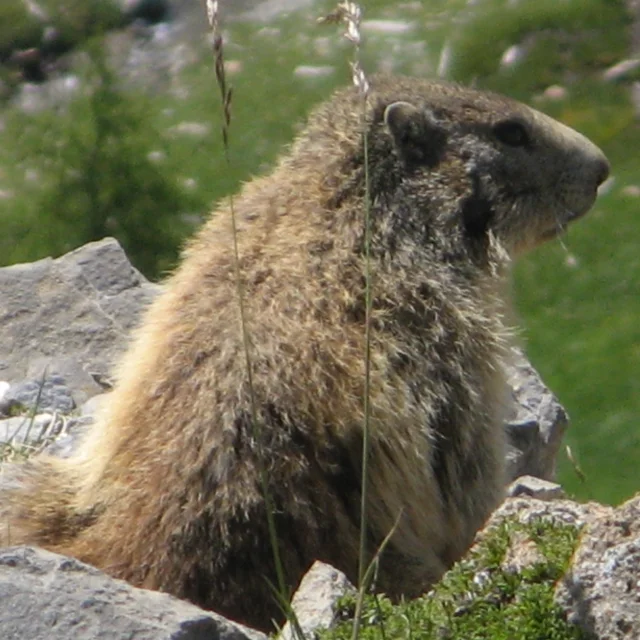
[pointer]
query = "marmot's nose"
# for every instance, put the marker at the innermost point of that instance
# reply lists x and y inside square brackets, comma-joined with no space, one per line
[602,169]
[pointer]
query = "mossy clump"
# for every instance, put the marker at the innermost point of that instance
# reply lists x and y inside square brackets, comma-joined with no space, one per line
[484,597]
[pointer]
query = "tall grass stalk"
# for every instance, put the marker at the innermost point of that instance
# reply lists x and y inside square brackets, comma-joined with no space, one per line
[213,17]
[34,411]
[350,14]
[582,476]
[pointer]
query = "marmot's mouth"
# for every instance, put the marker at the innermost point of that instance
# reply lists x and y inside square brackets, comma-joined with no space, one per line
[579,207]
[574,215]
[556,231]
[562,222]
[567,216]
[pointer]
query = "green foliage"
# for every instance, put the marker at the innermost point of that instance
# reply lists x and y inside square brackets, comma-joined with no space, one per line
[482,597]
[99,181]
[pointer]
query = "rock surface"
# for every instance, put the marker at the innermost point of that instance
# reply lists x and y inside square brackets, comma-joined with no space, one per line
[537,425]
[50,393]
[561,511]
[601,591]
[535,488]
[69,317]
[316,600]
[44,596]
[30,431]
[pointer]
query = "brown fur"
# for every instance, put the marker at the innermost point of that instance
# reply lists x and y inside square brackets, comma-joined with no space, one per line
[165,492]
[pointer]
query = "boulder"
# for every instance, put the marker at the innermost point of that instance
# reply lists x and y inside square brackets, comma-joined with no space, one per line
[315,603]
[69,317]
[600,592]
[536,426]
[45,596]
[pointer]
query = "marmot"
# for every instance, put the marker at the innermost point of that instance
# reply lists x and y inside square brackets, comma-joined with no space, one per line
[165,492]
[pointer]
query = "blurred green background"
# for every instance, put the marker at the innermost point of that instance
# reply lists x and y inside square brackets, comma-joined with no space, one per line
[140,157]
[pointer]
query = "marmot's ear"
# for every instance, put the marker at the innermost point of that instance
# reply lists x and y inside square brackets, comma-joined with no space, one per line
[418,137]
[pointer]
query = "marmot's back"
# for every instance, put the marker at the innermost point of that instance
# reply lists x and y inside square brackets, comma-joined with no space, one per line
[166,490]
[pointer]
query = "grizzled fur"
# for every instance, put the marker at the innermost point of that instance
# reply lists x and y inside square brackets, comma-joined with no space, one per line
[165,492]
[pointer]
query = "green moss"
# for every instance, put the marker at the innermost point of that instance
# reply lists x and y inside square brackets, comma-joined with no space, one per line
[481,598]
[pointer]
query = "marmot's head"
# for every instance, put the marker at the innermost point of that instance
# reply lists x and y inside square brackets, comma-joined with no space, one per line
[463,165]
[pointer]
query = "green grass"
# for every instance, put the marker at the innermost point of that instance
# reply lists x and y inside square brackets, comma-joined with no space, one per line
[560,39]
[583,334]
[482,597]
[579,323]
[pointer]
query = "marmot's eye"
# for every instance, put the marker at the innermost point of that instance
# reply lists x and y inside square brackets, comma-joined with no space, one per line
[512,133]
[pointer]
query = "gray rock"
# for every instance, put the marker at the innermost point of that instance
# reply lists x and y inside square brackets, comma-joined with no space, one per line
[35,97]
[535,488]
[316,599]
[601,592]
[526,510]
[24,430]
[70,316]
[313,71]
[513,56]
[393,27]
[555,93]
[93,406]
[635,96]
[36,10]
[266,10]
[536,427]
[622,70]
[67,442]
[45,394]
[190,129]
[44,596]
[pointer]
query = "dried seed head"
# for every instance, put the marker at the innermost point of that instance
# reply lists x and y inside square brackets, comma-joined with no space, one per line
[213,16]
[350,14]
[359,78]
